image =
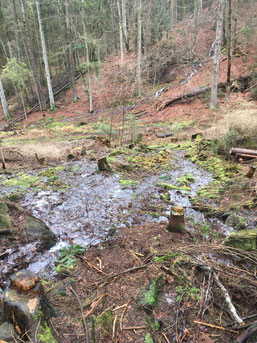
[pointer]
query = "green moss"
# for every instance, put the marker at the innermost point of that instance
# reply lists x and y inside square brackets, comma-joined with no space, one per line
[3,208]
[125,182]
[148,338]
[105,321]
[150,296]
[5,221]
[244,239]
[170,186]
[187,179]
[45,334]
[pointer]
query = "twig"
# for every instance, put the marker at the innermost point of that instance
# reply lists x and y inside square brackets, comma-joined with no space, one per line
[82,313]
[214,326]
[165,337]
[231,307]
[114,326]
[124,272]
[97,302]
[121,318]
[90,264]
[136,328]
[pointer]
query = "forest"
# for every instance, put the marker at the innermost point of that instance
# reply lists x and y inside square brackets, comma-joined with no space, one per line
[128,183]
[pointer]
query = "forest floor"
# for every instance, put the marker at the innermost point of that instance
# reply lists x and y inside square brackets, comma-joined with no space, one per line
[143,283]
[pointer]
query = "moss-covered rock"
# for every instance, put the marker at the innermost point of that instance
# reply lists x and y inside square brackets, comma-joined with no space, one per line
[37,230]
[7,332]
[236,222]
[243,239]
[3,208]
[5,221]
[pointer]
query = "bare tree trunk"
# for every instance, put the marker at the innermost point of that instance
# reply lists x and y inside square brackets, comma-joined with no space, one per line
[31,57]
[45,58]
[139,48]
[216,57]
[88,66]
[121,33]
[4,102]
[173,12]
[124,23]
[229,42]
[197,15]
[70,49]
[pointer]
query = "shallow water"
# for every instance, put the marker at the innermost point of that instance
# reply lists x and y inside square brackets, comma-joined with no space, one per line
[95,203]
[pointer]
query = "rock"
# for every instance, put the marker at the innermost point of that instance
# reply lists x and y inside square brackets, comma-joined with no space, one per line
[243,239]
[164,135]
[7,332]
[5,221]
[25,304]
[177,220]
[37,230]
[236,222]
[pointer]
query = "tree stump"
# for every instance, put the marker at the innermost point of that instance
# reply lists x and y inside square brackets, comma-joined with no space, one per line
[177,220]
[26,305]
[103,164]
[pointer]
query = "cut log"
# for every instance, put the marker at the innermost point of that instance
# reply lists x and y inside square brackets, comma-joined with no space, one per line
[234,151]
[250,172]
[245,156]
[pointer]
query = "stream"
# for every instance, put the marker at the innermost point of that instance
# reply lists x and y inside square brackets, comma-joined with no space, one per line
[95,204]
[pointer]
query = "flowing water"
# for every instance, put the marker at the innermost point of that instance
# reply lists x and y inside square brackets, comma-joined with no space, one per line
[94,204]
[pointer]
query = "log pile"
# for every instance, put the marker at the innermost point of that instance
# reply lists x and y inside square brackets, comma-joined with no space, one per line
[244,155]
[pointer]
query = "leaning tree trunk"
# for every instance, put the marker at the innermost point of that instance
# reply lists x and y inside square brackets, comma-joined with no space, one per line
[4,102]
[47,70]
[216,58]
[71,57]
[139,48]
[197,16]
[31,56]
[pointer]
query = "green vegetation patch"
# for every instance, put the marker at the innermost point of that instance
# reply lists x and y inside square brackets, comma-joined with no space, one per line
[126,183]
[105,321]
[170,186]
[150,296]
[67,260]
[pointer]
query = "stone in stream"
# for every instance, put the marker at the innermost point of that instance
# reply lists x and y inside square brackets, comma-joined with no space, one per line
[5,220]
[25,304]
[236,222]
[177,220]
[164,135]
[37,230]
[243,239]
[7,332]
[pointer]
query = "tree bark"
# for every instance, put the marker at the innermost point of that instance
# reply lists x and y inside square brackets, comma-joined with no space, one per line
[229,42]
[70,48]
[45,58]
[124,23]
[139,48]
[120,32]
[4,102]
[216,58]
[31,56]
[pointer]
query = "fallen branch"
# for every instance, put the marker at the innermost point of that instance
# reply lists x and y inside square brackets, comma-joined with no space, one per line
[164,104]
[226,296]
[136,328]
[82,313]
[214,326]
[96,303]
